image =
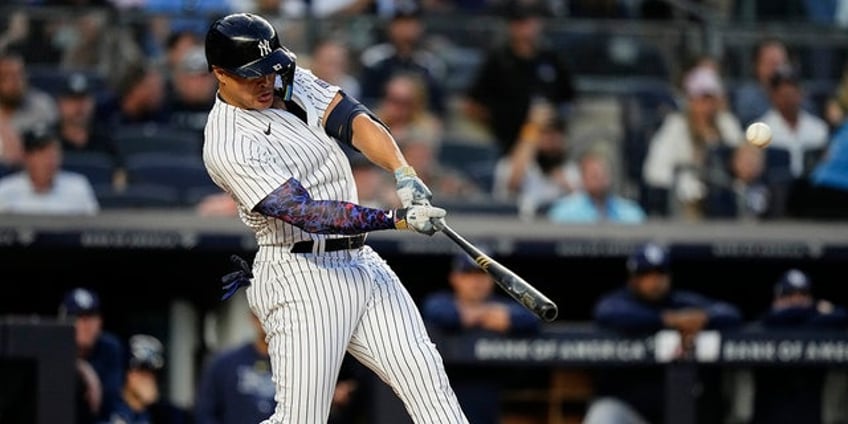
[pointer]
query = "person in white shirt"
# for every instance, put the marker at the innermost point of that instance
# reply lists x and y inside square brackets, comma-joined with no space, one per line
[793,128]
[41,187]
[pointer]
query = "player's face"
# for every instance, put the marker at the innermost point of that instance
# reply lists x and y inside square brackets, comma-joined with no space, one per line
[471,286]
[246,93]
[651,286]
[87,329]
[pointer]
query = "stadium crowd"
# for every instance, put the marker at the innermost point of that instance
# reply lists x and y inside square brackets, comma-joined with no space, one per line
[103,105]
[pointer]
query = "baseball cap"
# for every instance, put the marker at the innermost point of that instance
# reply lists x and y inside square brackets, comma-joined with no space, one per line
[792,281]
[702,81]
[648,257]
[784,74]
[79,301]
[146,352]
[194,61]
[76,84]
[463,263]
[39,136]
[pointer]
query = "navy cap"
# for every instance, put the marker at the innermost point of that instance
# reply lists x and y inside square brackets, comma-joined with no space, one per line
[649,257]
[79,301]
[38,137]
[76,84]
[464,263]
[792,281]
[146,352]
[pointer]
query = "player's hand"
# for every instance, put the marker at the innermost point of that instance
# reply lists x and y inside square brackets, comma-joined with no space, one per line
[417,218]
[237,279]
[410,189]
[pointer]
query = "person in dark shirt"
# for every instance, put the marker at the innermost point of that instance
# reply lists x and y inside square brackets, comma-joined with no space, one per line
[517,73]
[100,355]
[786,394]
[472,307]
[191,92]
[140,389]
[645,306]
[76,102]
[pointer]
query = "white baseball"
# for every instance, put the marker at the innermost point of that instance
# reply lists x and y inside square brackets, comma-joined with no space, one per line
[758,134]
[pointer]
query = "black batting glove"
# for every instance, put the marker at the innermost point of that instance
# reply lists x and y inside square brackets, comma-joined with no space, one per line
[237,279]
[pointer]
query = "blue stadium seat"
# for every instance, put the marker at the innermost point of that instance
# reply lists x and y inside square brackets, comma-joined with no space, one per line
[135,139]
[138,196]
[184,173]
[99,168]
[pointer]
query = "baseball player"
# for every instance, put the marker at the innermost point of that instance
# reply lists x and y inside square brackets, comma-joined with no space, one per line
[272,141]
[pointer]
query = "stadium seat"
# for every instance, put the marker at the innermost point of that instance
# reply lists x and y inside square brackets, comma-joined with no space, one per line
[474,159]
[138,196]
[99,168]
[134,139]
[184,173]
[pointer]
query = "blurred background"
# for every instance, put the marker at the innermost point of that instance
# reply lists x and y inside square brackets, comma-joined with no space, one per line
[596,147]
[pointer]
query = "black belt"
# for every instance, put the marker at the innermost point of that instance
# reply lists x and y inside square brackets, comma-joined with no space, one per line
[330,245]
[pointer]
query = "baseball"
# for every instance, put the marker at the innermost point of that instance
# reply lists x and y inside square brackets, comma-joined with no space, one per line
[758,134]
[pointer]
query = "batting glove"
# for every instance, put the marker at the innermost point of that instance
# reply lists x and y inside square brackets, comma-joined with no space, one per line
[417,218]
[410,189]
[236,279]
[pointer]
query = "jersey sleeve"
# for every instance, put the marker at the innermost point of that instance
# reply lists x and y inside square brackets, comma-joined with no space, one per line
[247,170]
[319,92]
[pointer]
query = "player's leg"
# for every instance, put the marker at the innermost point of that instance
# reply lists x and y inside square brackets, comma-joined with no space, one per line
[391,339]
[308,318]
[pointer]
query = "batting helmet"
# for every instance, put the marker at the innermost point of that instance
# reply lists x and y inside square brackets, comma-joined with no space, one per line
[247,45]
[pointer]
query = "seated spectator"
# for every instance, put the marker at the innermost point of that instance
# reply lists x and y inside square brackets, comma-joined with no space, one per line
[191,92]
[22,106]
[645,306]
[98,41]
[403,52]
[100,355]
[678,151]
[76,128]
[751,99]
[472,306]
[403,108]
[139,99]
[42,187]
[422,154]
[595,200]
[742,192]
[330,61]
[793,128]
[827,195]
[538,170]
[794,392]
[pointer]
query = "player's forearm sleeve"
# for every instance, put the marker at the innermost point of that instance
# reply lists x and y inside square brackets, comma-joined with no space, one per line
[292,203]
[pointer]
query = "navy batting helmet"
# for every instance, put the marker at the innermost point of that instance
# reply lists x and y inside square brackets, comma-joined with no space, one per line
[247,45]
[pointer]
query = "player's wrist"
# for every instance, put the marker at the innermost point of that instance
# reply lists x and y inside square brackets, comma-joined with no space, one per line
[404,171]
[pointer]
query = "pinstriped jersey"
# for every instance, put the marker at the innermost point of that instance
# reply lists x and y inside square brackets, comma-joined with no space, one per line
[250,153]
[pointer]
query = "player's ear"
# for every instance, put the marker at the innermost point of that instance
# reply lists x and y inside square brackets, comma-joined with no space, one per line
[219,74]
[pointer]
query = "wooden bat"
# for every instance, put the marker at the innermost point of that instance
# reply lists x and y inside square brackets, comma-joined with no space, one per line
[510,282]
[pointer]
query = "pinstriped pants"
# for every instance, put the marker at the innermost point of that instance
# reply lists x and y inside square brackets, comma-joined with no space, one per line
[314,307]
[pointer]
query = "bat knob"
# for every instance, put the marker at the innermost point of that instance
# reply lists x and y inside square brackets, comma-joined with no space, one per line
[548,312]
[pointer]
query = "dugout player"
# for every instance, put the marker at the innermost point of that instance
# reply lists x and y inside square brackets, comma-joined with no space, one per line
[272,141]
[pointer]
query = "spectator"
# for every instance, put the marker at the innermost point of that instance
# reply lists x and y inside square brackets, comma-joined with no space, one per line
[140,390]
[645,306]
[331,62]
[678,152]
[42,187]
[793,128]
[191,92]
[235,385]
[177,44]
[403,52]
[139,99]
[471,306]
[827,195]
[373,185]
[793,392]
[403,108]
[516,73]
[99,43]
[100,355]
[595,201]
[76,128]
[446,183]
[751,98]
[21,106]
[538,170]
[743,190]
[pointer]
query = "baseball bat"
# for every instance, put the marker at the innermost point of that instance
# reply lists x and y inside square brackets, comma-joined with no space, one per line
[520,290]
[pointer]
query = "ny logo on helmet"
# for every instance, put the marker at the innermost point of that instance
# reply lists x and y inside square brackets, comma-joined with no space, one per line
[264,47]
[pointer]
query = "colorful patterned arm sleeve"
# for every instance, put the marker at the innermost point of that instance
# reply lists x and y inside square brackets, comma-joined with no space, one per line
[293,204]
